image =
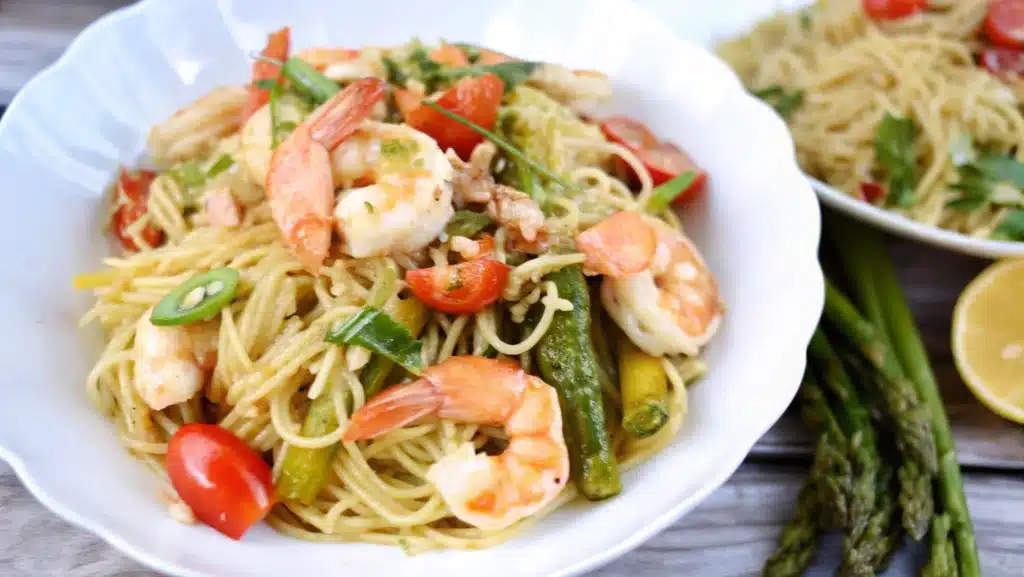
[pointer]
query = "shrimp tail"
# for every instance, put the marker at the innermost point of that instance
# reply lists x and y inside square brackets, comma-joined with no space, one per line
[342,115]
[312,238]
[393,409]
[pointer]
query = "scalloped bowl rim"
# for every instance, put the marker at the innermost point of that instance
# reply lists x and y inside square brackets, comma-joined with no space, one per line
[899,224]
[730,461]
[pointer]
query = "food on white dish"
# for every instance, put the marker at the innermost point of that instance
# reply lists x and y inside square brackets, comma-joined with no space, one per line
[908,105]
[400,295]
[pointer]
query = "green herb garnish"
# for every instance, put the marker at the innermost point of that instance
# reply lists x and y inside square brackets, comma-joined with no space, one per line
[512,73]
[783,101]
[985,177]
[665,193]
[895,149]
[467,223]
[500,143]
[394,72]
[266,83]
[374,330]
[1012,227]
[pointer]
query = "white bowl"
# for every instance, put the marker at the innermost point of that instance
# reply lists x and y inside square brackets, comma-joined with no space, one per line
[65,135]
[707,23]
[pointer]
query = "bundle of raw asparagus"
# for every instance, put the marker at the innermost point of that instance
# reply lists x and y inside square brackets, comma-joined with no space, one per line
[884,462]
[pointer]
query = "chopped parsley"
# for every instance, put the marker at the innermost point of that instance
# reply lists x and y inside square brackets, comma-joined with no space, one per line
[785,102]
[895,148]
[985,177]
[369,206]
[1012,227]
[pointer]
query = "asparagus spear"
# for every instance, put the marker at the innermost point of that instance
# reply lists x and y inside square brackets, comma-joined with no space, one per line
[863,452]
[799,539]
[831,468]
[943,554]
[909,417]
[869,552]
[906,341]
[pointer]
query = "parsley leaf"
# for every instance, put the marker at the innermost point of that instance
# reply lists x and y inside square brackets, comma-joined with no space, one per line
[394,72]
[985,177]
[1012,227]
[783,101]
[512,73]
[894,147]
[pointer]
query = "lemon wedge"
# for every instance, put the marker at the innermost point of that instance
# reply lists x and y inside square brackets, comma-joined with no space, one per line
[988,338]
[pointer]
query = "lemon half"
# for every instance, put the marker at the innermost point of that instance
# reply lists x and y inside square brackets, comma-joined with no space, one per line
[988,338]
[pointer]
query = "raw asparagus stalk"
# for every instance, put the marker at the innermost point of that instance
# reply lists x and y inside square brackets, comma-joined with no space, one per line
[831,468]
[799,539]
[869,552]
[861,444]
[909,417]
[906,340]
[942,562]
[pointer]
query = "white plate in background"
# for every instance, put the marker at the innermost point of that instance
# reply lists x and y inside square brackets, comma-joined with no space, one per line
[707,23]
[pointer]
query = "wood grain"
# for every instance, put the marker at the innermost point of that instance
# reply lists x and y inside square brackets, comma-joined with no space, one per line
[728,535]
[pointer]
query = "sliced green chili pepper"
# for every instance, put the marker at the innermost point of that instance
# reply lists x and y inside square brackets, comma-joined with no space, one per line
[373,329]
[197,299]
[308,81]
[467,223]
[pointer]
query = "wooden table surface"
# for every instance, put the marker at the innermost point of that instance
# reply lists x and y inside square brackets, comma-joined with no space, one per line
[730,534]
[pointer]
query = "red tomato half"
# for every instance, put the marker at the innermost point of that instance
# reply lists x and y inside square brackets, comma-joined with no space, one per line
[133,192]
[460,288]
[893,9]
[1004,24]
[278,47]
[474,98]
[1003,61]
[872,191]
[226,483]
[664,160]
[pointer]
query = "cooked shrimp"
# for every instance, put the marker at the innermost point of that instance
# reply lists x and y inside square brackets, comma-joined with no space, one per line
[345,65]
[619,246]
[171,362]
[222,210]
[300,185]
[514,209]
[571,86]
[489,492]
[195,129]
[673,307]
[403,198]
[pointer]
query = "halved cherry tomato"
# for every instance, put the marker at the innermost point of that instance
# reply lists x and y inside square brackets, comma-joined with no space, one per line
[133,192]
[1004,24]
[450,55]
[871,191]
[135,187]
[664,160]
[226,483]
[459,288]
[893,9]
[474,98]
[1003,61]
[278,47]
